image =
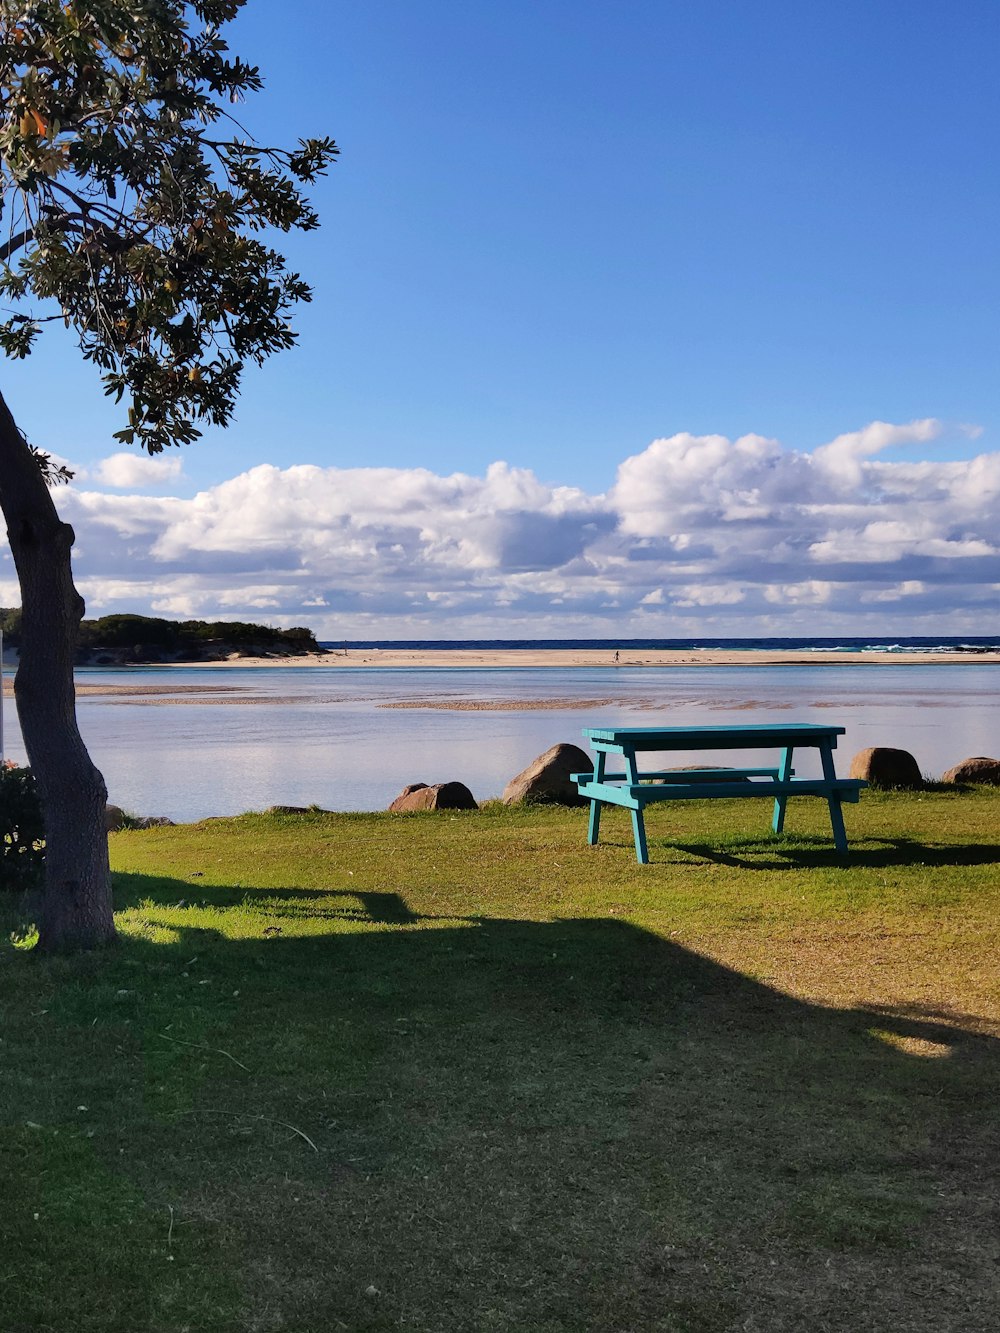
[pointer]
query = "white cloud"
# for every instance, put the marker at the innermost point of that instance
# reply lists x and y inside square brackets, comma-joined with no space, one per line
[811,592]
[842,458]
[184,608]
[695,530]
[137,471]
[892,539]
[709,594]
[679,483]
[908,588]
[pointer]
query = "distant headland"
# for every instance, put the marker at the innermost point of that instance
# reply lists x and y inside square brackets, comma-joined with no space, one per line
[130,640]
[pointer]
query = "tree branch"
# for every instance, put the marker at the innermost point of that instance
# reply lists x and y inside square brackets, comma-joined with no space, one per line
[15,243]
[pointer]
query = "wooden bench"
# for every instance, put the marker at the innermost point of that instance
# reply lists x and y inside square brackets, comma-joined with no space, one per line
[634,789]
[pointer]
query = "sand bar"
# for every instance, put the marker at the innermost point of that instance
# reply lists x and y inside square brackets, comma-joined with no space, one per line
[561,659]
[564,658]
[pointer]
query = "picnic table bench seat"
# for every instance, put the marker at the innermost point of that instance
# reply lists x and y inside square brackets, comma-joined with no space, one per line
[634,789]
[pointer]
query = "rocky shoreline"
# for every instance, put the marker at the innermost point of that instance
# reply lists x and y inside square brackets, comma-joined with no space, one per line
[548,780]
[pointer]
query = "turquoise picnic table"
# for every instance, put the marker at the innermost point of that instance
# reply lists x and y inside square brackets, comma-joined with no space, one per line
[634,789]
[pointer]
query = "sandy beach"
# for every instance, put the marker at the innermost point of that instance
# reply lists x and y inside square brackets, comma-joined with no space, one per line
[565,658]
[559,659]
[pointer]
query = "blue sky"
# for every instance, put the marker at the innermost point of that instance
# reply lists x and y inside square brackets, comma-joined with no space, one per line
[559,232]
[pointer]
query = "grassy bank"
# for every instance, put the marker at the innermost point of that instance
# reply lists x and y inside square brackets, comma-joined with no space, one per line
[463,1073]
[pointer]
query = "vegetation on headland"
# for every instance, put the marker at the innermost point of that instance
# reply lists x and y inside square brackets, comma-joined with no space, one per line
[462,1072]
[129,638]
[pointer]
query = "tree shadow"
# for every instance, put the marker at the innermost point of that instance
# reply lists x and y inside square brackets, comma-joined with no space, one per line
[556,1126]
[357,904]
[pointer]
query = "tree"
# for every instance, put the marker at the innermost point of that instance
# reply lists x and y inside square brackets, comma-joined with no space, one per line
[136,211]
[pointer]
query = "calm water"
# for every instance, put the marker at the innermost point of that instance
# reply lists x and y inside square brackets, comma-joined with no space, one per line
[274,735]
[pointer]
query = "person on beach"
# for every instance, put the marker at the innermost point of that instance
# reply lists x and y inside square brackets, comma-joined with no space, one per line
[616,657]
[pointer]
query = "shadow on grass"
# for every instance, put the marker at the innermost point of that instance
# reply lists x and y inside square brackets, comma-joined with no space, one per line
[776,853]
[453,1124]
[333,904]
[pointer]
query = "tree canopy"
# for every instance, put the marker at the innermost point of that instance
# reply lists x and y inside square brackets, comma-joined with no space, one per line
[136,208]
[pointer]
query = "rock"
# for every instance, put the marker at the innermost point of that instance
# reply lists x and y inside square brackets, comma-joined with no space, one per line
[546,780]
[442,796]
[881,766]
[116,819]
[287,810]
[978,769]
[399,802]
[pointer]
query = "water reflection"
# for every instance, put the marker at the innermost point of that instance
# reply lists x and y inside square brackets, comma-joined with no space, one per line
[338,737]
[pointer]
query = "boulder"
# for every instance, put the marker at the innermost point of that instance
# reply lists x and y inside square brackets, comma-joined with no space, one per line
[978,769]
[442,796]
[546,780]
[882,766]
[116,819]
[400,802]
[287,810]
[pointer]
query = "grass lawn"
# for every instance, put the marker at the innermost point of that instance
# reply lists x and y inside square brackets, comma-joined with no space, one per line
[463,1074]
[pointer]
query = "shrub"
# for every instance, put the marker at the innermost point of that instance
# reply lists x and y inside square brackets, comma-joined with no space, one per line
[22,834]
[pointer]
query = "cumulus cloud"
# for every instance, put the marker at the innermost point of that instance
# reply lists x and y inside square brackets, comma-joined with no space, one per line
[137,471]
[696,531]
[678,485]
[842,458]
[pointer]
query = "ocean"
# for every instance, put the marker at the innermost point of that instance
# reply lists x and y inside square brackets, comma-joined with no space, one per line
[840,644]
[350,738]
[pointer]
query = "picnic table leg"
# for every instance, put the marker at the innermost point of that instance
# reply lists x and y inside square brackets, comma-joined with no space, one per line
[780,802]
[639,834]
[594,827]
[833,800]
[638,823]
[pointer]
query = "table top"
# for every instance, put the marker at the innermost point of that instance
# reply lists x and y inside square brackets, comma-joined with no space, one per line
[696,738]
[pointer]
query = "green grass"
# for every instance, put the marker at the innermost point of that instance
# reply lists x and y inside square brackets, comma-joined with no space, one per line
[465,1073]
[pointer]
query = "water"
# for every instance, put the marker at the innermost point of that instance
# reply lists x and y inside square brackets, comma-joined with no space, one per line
[260,736]
[842,644]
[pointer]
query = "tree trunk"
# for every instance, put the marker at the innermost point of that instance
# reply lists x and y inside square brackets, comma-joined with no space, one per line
[76,903]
